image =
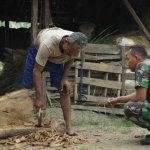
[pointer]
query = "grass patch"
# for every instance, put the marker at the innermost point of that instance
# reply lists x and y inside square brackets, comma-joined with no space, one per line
[126,131]
[126,123]
[77,123]
[93,123]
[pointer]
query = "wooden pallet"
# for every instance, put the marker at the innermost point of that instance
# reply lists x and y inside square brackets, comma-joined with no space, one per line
[104,83]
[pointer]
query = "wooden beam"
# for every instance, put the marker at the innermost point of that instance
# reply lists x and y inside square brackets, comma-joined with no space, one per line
[34,19]
[102,49]
[116,111]
[46,14]
[99,67]
[136,18]
[100,82]
[101,57]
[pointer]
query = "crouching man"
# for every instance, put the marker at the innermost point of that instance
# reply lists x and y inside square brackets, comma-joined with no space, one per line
[137,104]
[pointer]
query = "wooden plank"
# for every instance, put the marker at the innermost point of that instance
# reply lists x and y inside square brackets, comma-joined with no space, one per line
[136,18]
[92,98]
[89,75]
[102,49]
[49,99]
[117,111]
[119,80]
[99,67]
[101,57]
[49,88]
[100,82]
[105,90]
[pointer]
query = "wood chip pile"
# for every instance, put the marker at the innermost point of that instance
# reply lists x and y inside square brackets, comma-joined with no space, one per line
[45,138]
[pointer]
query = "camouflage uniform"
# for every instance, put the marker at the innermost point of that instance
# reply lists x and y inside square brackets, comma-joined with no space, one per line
[139,112]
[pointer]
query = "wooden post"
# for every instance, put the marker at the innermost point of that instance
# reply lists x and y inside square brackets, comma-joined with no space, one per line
[123,70]
[75,85]
[137,19]
[7,41]
[46,14]
[34,19]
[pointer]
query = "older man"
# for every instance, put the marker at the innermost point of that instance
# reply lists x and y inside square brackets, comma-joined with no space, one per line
[53,50]
[137,104]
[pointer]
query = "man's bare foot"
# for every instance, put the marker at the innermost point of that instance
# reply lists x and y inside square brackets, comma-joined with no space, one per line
[71,132]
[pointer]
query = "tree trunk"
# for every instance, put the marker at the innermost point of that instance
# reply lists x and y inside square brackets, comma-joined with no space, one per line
[17,107]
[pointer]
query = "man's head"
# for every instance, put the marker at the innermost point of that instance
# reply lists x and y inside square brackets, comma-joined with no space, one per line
[75,43]
[137,53]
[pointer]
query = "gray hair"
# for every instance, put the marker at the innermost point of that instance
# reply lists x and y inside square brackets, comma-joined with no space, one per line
[79,38]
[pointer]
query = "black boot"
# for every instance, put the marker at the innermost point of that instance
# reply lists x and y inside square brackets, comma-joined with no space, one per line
[145,141]
[147,136]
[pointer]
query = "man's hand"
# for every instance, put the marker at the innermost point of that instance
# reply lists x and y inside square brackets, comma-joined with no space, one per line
[39,103]
[69,88]
[111,102]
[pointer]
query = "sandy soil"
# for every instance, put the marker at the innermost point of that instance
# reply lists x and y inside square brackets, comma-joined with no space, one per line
[103,132]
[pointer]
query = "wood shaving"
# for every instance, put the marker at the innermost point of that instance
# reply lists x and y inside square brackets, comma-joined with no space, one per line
[46,138]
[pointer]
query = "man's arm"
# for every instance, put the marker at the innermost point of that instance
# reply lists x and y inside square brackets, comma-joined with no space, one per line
[38,85]
[64,81]
[140,94]
[67,67]
[121,99]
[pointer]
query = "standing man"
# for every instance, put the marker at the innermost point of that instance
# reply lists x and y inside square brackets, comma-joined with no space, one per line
[137,104]
[53,50]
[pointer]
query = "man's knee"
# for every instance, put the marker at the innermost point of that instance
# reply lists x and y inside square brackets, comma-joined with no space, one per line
[130,109]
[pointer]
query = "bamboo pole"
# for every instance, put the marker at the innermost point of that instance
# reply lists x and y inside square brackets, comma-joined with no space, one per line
[136,18]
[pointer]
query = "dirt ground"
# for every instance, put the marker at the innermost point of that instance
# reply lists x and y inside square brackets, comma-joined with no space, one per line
[103,132]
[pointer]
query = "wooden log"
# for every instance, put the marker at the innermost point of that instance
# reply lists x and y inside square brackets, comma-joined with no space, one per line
[10,132]
[58,125]
[17,107]
[34,19]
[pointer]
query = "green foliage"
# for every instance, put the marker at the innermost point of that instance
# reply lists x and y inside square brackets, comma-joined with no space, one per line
[104,37]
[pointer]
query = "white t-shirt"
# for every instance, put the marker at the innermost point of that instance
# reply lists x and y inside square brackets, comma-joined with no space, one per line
[47,45]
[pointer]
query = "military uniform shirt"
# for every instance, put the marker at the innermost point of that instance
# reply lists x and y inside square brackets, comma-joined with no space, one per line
[142,76]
